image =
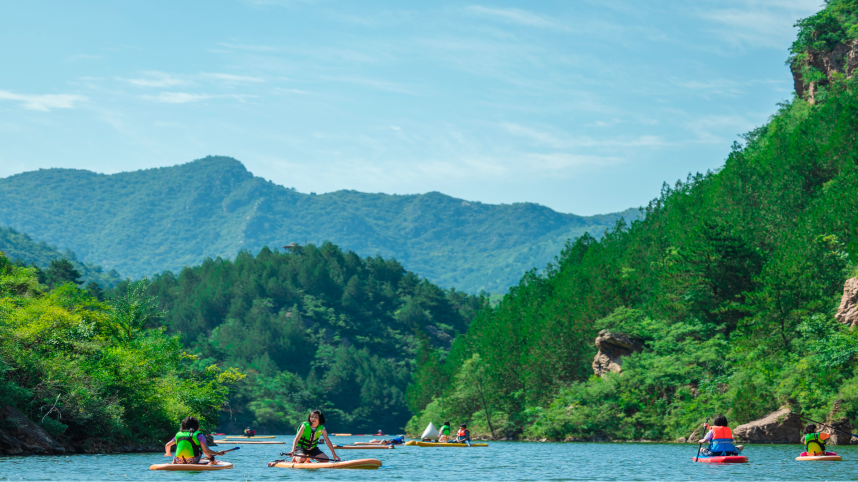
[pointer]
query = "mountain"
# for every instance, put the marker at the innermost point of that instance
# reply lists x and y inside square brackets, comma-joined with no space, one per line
[22,249]
[723,299]
[144,222]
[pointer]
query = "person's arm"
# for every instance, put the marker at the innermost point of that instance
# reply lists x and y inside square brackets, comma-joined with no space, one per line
[167,447]
[328,443]
[206,450]
[708,436]
[298,437]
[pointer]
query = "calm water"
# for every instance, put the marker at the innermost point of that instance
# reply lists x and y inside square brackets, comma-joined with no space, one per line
[500,461]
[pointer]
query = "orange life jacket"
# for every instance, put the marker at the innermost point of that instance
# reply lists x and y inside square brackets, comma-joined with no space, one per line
[722,433]
[462,433]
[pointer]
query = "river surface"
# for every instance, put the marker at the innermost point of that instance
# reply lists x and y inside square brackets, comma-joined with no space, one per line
[500,461]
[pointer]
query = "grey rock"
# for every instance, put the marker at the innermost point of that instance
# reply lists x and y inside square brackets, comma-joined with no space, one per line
[843,59]
[848,311]
[612,348]
[778,427]
[20,436]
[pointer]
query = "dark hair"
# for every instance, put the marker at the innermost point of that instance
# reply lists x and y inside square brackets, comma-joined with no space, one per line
[720,421]
[191,423]
[447,423]
[320,414]
[463,426]
[810,428]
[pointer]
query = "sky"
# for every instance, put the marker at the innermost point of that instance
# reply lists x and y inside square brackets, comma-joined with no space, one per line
[583,106]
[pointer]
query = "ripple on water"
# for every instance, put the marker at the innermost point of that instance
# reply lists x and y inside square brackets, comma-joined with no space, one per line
[500,461]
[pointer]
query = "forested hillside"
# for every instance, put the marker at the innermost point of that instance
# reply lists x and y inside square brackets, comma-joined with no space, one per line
[22,249]
[144,222]
[730,283]
[91,373]
[317,328]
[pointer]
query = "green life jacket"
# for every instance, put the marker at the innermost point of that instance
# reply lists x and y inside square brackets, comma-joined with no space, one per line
[187,445]
[309,438]
[445,430]
[814,444]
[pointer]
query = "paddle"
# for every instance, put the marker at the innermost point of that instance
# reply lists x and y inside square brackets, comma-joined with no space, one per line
[824,425]
[700,444]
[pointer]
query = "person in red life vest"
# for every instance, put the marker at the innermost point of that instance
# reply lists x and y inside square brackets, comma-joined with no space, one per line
[463,435]
[815,441]
[249,432]
[720,439]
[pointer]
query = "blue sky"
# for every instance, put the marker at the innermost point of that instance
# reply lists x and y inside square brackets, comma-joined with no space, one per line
[585,107]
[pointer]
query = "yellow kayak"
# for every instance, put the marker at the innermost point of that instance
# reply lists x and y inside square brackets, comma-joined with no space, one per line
[255,436]
[448,444]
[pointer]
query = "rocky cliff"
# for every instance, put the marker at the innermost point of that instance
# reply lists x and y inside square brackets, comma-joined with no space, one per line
[612,348]
[841,61]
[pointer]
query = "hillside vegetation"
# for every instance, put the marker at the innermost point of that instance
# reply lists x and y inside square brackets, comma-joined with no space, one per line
[91,373]
[730,281]
[144,222]
[318,328]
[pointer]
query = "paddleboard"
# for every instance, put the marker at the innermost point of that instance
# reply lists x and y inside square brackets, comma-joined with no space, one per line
[830,458]
[728,459]
[255,436]
[368,443]
[248,442]
[342,434]
[364,447]
[221,465]
[448,444]
[345,464]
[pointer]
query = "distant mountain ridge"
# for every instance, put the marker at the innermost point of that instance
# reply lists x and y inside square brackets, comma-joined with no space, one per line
[144,222]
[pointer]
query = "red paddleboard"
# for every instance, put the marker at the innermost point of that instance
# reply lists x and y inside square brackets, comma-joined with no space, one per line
[728,459]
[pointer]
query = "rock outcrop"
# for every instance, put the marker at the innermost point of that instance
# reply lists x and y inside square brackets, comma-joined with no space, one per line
[20,436]
[843,426]
[779,427]
[843,60]
[848,311]
[612,347]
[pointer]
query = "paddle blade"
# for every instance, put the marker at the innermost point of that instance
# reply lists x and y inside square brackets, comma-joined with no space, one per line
[236,448]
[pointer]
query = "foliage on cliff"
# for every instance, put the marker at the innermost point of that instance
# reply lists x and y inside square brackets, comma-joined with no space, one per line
[319,328]
[145,222]
[731,279]
[89,371]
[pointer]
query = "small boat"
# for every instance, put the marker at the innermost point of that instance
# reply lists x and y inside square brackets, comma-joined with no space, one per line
[364,447]
[220,465]
[725,459]
[820,458]
[255,436]
[344,464]
[341,434]
[248,442]
[446,444]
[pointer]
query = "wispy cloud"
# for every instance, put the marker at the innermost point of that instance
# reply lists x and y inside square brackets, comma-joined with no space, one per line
[280,90]
[75,58]
[155,79]
[252,48]
[758,23]
[43,102]
[564,141]
[514,15]
[230,78]
[177,97]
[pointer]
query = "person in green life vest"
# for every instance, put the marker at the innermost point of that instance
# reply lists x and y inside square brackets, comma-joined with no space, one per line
[306,441]
[814,441]
[190,444]
[444,433]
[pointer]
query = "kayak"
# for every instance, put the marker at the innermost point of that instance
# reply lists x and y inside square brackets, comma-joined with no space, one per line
[448,444]
[221,465]
[365,447]
[247,442]
[727,459]
[345,464]
[245,436]
[830,458]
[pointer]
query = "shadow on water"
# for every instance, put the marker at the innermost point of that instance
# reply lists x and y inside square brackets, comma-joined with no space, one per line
[501,461]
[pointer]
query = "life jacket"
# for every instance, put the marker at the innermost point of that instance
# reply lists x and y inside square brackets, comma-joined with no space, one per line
[250,432]
[187,445]
[445,430]
[722,440]
[463,432]
[814,444]
[309,438]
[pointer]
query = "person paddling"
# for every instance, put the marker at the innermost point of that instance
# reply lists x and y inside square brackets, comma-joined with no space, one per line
[814,442]
[720,439]
[463,435]
[444,433]
[306,443]
[190,444]
[249,432]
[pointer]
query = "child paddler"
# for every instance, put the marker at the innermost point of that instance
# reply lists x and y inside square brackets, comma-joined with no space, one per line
[444,433]
[306,443]
[463,435]
[190,444]
[720,439]
[815,442]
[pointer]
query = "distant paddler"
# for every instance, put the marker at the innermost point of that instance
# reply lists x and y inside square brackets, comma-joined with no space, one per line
[306,443]
[444,433]
[190,444]
[249,432]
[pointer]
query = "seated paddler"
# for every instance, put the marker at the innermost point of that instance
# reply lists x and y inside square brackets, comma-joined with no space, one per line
[814,442]
[720,439]
[190,444]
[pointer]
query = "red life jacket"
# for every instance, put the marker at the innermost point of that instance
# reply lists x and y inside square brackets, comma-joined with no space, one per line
[462,432]
[722,433]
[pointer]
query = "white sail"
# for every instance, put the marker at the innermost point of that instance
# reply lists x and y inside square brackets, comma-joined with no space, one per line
[430,432]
